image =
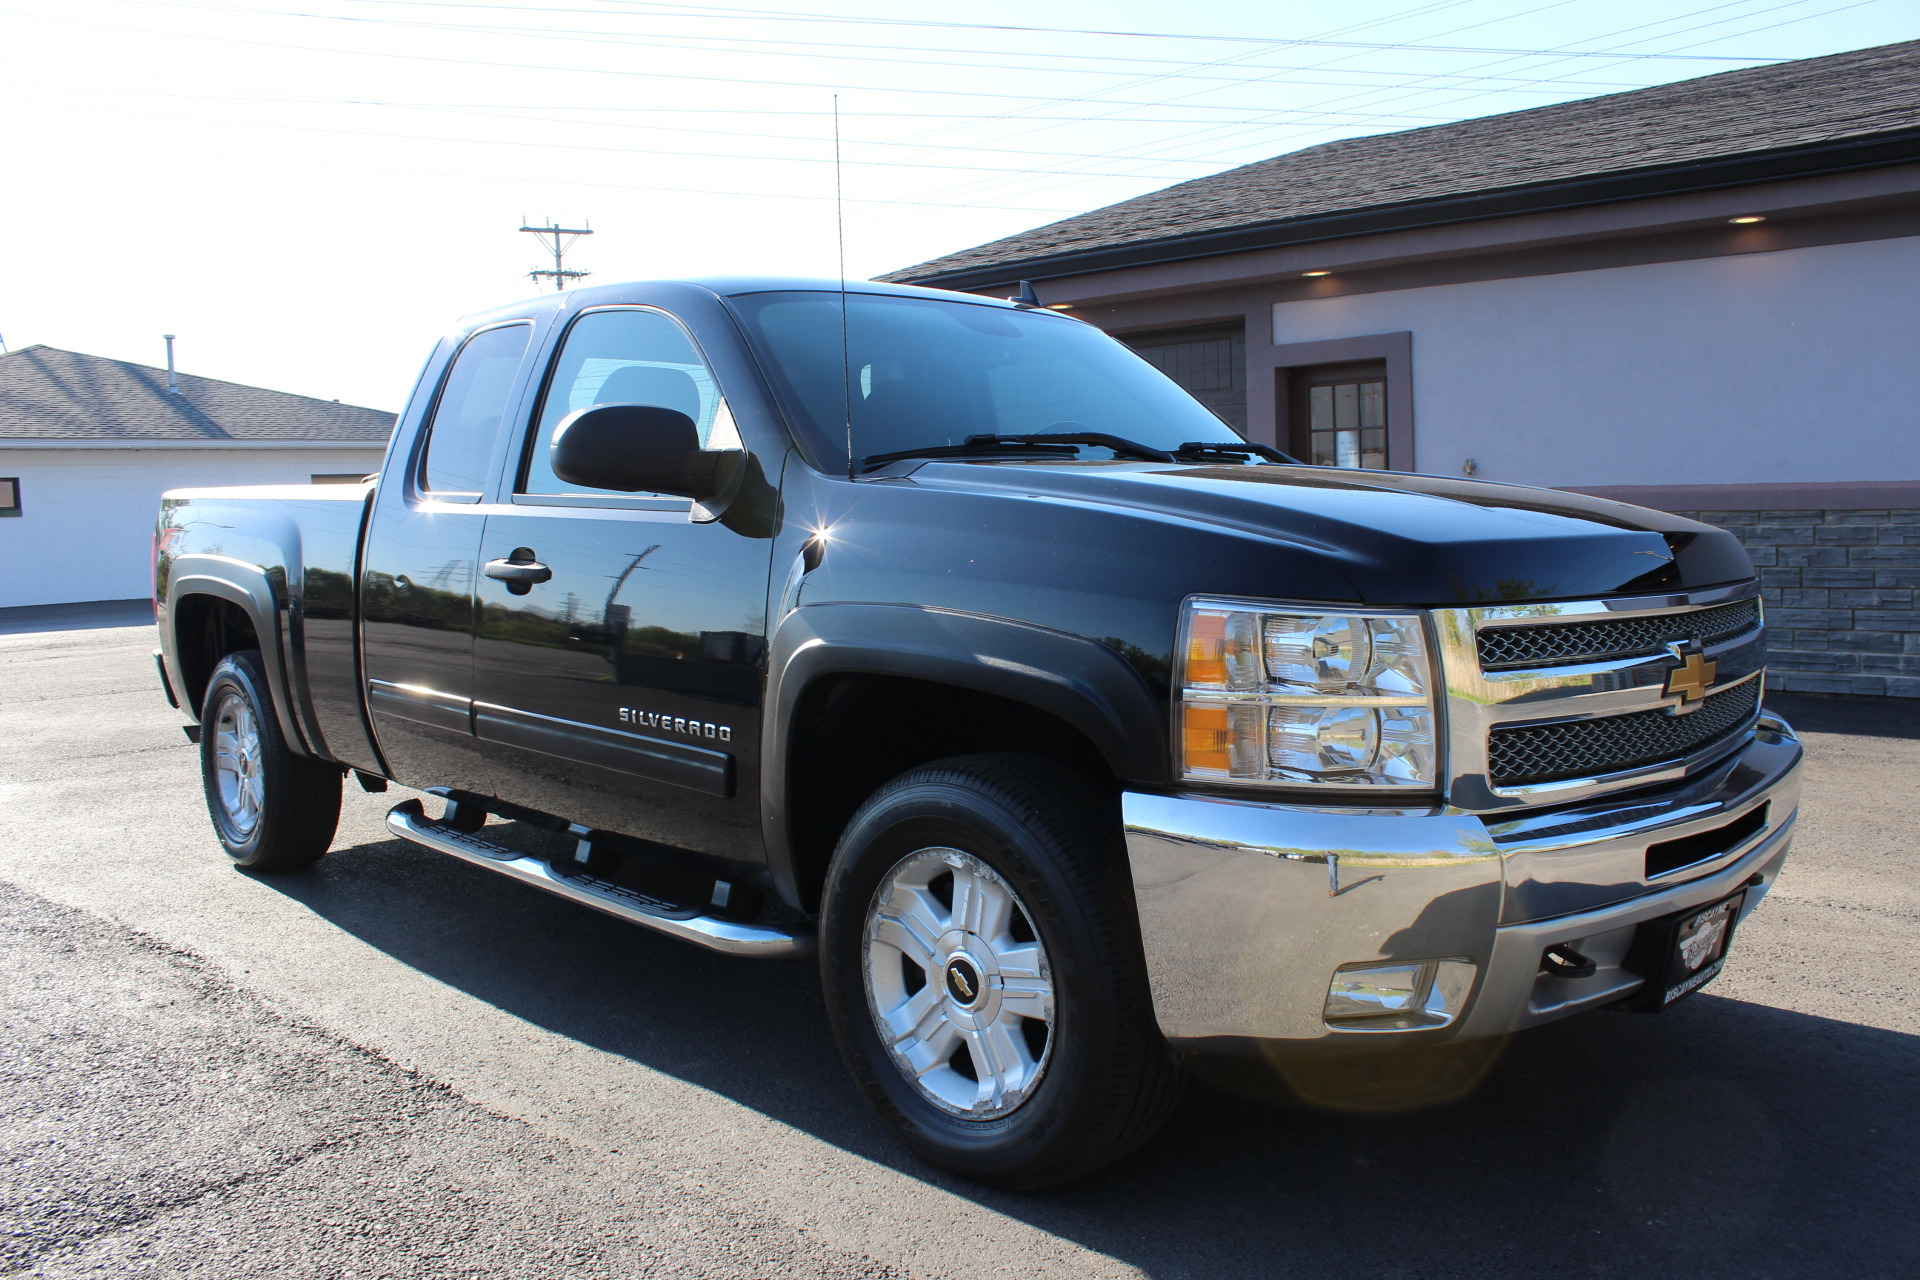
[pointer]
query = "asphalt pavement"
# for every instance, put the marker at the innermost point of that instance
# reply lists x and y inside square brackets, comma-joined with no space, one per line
[397,1064]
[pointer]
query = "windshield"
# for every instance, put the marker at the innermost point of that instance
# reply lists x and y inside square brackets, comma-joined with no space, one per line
[924,373]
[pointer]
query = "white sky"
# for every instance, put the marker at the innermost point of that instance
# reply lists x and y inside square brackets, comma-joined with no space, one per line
[308,193]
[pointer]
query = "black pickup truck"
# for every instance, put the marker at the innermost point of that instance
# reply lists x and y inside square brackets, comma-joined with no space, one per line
[948,639]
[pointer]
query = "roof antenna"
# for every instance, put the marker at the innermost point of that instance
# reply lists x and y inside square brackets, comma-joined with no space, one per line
[840,235]
[1026,297]
[173,383]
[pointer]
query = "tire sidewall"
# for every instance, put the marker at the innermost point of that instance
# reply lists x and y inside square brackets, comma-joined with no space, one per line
[929,813]
[237,673]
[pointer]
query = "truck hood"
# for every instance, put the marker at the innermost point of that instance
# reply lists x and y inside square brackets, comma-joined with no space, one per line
[1401,538]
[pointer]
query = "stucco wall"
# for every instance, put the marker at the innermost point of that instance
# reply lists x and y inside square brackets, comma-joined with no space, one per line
[86,528]
[1796,366]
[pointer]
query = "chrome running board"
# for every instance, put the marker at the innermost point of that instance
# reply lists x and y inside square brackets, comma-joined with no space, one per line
[409,821]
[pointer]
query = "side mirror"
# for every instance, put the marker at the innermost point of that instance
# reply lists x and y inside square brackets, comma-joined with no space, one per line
[640,448]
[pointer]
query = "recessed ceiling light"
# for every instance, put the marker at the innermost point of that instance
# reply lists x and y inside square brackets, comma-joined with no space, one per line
[1059,306]
[1745,218]
[1316,273]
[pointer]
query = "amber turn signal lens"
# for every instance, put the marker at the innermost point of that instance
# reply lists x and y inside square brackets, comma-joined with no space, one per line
[1206,739]
[1207,651]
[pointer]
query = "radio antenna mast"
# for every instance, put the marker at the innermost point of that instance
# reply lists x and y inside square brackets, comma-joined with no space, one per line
[557,239]
[840,238]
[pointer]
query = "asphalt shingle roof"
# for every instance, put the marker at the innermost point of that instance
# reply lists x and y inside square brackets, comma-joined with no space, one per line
[50,394]
[1733,113]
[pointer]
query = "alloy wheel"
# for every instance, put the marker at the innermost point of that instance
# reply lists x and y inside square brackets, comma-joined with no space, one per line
[237,764]
[958,983]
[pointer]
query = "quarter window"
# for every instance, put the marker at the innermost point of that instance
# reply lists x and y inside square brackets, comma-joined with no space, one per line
[625,357]
[473,403]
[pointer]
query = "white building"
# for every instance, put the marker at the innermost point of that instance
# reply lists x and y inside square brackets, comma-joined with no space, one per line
[87,446]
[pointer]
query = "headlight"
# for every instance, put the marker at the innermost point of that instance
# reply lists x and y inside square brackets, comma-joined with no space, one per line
[1296,697]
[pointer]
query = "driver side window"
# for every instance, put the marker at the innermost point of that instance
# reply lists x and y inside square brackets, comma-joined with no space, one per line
[625,357]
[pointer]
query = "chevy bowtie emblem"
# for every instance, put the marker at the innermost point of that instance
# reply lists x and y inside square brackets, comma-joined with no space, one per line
[1692,678]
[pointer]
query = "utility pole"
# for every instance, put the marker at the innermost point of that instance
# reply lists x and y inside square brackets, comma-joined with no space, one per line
[557,240]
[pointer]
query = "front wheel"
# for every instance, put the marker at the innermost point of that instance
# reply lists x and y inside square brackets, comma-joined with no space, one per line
[983,972]
[273,810]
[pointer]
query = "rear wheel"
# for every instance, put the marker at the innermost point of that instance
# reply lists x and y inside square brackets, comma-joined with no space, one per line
[983,972]
[273,810]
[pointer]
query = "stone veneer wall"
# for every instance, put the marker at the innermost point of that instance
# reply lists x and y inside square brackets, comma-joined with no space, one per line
[1842,593]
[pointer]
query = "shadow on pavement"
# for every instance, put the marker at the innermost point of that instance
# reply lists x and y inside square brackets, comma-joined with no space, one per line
[93,615]
[1843,713]
[1721,1138]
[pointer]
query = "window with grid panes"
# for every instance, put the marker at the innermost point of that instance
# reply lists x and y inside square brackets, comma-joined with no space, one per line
[1347,424]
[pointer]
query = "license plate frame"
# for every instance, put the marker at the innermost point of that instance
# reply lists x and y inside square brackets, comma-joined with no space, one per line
[1680,953]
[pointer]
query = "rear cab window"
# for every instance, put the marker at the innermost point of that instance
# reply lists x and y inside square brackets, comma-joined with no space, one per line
[474,401]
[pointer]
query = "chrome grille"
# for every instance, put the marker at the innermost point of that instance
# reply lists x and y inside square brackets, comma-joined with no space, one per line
[1584,748]
[1507,648]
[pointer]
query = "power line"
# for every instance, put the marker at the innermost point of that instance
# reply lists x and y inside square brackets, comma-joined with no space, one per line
[756,81]
[143,147]
[496,114]
[1418,86]
[1005,177]
[807,48]
[987,188]
[545,145]
[778,15]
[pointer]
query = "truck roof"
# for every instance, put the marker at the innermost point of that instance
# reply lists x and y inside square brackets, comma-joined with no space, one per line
[724,286]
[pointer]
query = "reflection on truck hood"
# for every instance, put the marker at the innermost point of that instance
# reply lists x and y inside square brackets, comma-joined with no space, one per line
[1403,538]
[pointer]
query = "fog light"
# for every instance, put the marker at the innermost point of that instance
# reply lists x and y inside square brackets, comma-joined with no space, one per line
[1404,996]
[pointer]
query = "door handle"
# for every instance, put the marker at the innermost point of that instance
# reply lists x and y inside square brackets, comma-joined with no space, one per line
[525,572]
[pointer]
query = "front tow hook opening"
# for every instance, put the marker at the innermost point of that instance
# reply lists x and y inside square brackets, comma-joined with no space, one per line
[1562,961]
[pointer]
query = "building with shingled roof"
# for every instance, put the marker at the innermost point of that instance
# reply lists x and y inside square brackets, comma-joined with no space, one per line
[88,445]
[1698,296]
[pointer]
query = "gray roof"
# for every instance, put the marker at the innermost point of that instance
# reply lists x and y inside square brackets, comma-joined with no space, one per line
[50,394]
[1805,106]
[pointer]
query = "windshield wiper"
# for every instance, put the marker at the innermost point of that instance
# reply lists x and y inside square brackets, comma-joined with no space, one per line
[1120,445]
[1147,453]
[1045,444]
[1203,449]
[975,447]
[1062,444]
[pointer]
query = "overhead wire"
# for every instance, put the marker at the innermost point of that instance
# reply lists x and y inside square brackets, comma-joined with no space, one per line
[558,70]
[1419,86]
[779,15]
[992,177]
[1420,82]
[144,146]
[549,145]
[987,188]
[798,49]
[1205,129]
[984,188]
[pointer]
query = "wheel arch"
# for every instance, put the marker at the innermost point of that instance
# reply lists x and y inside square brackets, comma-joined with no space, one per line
[858,693]
[216,604]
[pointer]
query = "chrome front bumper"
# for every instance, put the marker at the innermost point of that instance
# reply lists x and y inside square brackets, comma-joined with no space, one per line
[1247,909]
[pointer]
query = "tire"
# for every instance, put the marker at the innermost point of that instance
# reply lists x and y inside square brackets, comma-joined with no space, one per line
[1027,1053]
[273,810]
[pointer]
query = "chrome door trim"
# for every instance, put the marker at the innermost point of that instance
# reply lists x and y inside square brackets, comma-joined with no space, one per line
[421,705]
[639,755]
